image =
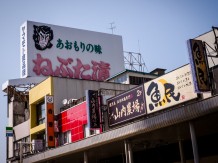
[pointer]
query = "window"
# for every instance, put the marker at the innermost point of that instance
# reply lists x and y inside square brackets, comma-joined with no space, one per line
[67,137]
[40,110]
[88,132]
[94,132]
[121,79]
[136,80]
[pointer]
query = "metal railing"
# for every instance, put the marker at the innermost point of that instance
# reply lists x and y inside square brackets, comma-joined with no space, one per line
[25,149]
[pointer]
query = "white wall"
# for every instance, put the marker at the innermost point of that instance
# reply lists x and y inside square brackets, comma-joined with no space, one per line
[22,130]
[10,124]
[209,39]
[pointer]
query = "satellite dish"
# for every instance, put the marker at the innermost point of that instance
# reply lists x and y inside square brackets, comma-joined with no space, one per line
[64,102]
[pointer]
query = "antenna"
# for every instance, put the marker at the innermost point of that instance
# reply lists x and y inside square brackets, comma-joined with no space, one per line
[112,27]
[139,46]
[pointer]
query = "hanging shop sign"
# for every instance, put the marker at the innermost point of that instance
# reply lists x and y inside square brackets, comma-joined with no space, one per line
[170,89]
[126,106]
[50,121]
[9,132]
[199,65]
[92,100]
[50,50]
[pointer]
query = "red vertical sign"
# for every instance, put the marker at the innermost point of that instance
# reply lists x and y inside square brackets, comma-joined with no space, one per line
[50,121]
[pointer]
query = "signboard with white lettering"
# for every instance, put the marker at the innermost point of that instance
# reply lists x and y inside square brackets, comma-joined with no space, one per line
[50,50]
[171,89]
[93,109]
[126,106]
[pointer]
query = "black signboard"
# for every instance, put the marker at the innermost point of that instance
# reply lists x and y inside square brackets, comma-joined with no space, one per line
[199,65]
[93,109]
[126,106]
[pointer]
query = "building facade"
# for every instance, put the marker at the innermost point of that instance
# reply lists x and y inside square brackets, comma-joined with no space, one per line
[184,132]
[89,109]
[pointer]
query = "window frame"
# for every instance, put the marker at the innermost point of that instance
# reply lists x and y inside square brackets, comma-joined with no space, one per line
[40,113]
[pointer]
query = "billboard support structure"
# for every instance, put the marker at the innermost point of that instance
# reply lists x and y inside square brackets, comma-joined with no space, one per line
[215,49]
[215,29]
[134,61]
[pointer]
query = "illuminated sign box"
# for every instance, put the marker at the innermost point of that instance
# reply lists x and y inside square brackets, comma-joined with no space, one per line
[168,90]
[126,106]
[50,50]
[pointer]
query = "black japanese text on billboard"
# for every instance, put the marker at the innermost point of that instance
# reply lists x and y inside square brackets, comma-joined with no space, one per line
[126,106]
[170,89]
[199,65]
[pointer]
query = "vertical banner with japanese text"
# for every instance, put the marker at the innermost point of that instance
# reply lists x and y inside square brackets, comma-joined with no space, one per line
[170,89]
[93,109]
[23,51]
[50,121]
[126,106]
[199,65]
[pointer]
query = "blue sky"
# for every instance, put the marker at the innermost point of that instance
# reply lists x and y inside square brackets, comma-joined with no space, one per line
[157,29]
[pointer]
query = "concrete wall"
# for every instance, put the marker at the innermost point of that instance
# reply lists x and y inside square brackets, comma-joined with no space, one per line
[10,124]
[22,130]
[36,95]
[74,88]
[18,113]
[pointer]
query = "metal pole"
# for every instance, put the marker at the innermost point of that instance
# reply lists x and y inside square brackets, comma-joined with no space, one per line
[181,151]
[21,152]
[194,143]
[130,152]
[85,157]
[126,151]
[7,144]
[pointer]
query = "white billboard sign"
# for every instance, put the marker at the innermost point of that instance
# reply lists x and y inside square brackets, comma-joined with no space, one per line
[50,50]
[209,42]
[171,89]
